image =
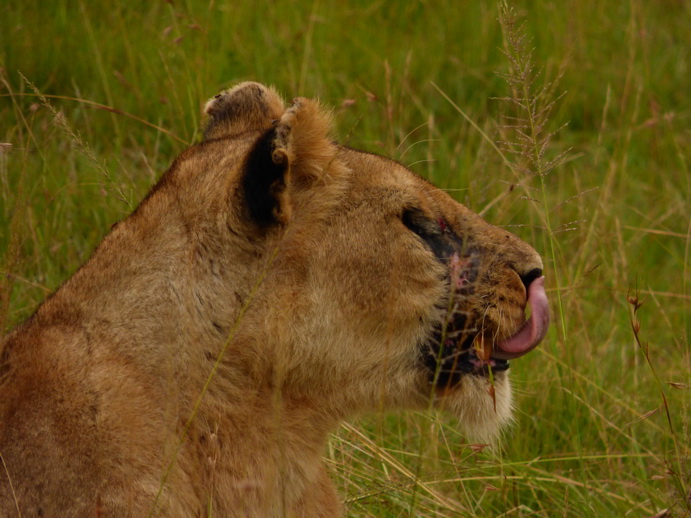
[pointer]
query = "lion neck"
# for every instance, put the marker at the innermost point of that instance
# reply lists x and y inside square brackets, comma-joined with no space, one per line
[257,446]
[261,455]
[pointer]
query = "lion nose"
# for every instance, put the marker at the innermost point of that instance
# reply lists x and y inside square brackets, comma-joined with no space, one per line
[529,277]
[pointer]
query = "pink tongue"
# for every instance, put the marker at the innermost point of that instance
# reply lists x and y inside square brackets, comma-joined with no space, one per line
[533,330]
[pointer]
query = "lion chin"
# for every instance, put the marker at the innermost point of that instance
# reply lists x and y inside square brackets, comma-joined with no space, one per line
[483,408]
[271,284]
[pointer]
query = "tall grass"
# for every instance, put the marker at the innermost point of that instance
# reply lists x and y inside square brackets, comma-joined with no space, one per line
[604,406]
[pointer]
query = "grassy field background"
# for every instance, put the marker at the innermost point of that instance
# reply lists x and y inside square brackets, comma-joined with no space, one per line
[604,412]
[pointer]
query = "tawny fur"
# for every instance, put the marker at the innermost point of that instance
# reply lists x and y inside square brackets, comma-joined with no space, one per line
[196,364]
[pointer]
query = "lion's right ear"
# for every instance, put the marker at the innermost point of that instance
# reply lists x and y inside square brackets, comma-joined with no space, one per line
[245,107]
[286,163]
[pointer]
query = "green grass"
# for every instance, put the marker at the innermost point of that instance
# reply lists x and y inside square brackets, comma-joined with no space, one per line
[604,413]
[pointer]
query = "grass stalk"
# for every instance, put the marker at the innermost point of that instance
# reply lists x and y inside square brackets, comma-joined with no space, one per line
[534,106]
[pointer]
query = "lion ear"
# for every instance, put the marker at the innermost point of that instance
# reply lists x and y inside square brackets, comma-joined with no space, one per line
[287,160]
[245,107]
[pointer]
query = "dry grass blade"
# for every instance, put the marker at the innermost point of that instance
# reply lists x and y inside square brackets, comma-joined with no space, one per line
[529,142]
[9,480]
[82,146]
[383,456]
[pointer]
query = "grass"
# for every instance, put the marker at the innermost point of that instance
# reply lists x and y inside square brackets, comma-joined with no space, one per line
[604,405]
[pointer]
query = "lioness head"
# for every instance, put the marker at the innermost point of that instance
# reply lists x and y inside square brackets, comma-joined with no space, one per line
[271,284]
[380,289]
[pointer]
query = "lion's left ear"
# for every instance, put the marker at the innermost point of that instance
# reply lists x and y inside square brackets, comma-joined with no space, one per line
[287,160]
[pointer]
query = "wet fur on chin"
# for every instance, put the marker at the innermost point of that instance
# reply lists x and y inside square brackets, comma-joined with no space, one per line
[481,416]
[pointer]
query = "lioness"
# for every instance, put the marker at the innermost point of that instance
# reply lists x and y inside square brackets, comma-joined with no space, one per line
[271,284]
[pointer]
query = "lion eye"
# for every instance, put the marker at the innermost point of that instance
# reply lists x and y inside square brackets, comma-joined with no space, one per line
[420,224]
[434,232]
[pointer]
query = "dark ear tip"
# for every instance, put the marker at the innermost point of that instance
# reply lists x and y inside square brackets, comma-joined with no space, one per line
[245,107]
[242,94]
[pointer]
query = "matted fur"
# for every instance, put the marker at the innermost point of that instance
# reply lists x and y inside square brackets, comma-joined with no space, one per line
[264,290]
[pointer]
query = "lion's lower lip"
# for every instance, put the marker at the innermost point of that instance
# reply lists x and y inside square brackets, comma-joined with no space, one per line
[449,371]
[495,364]
[533,330]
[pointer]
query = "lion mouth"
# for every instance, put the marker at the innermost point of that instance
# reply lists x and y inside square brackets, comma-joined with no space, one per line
[533,330]
[447,364]
[453,351]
